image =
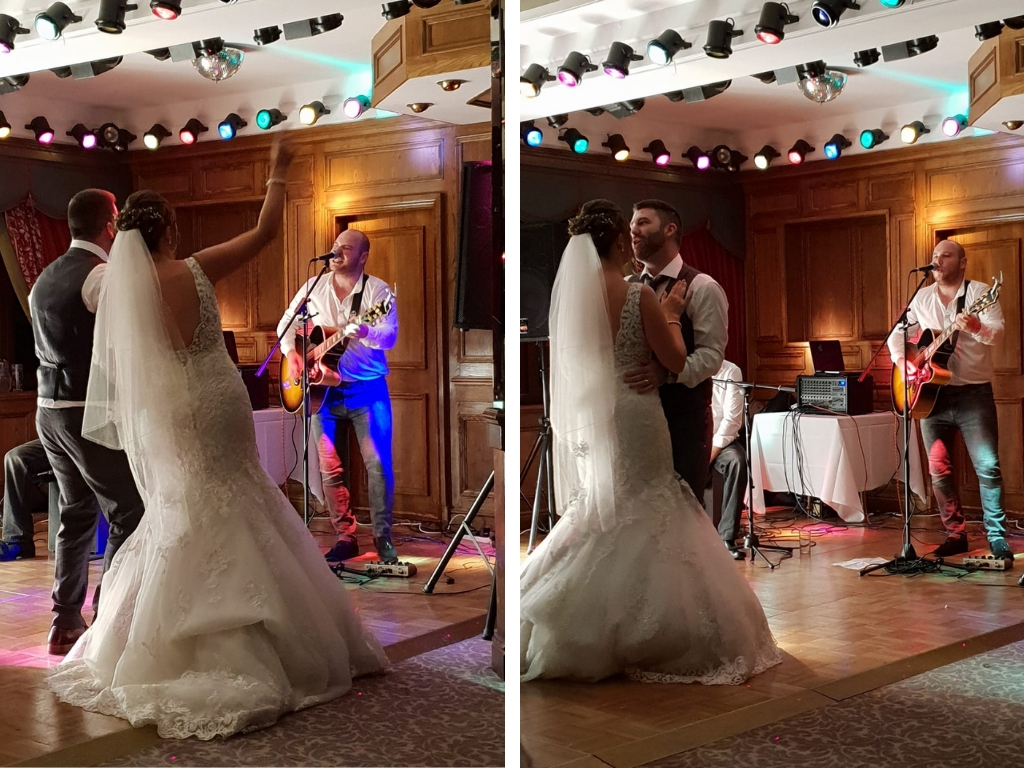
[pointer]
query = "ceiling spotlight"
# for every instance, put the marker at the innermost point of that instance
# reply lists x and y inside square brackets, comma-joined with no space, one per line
[396,10]
[737,159]
[1012,125]
[12,83]
[168,10]
[952,126]
[577,142]
[312,112]
[866,57]
[910,133]
[533,79]
[5,127]
[666,45]
[827,12]
[720,35]
[451,85]
[721,156]
[909,48]
[108,134]
[266,35]
[42,130]
[420,106]
[799,151]
[160,54]
[190,133]
[557,121]
[595,111]
[699,158]
[268,118]
[62,72]
[1014,22]
[575,66]
[110,18]
[658,152]
[88,69]
[619,148]
[766,77]
[619,57]
[621,109]
[871,138]
[329,23]
[764,158]
[355,106]
[988,30]
[230,126]
[834,147]
[891,3]
[771,27]
[531,135]
[86,139]
[426,3]
[10,28]
[124,138]
[51,22]
[154,137]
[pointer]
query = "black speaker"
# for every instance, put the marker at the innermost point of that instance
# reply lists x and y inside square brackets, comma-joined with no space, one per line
[541,247]
[474,298]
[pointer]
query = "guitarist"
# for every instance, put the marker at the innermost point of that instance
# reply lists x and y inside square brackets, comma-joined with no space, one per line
[358,393]
[966,404]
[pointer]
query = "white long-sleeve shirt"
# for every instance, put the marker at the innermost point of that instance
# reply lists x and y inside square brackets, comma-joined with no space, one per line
[364,359]
[971,362]
[727,405]
[708,310]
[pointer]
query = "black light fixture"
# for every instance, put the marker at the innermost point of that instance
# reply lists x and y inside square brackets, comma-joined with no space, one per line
[5,127]
[720,35]
[88,69]
[108,134]
[619,58]
[617,146]
[268,118]
[230,126]
[52,22]
[575,66]
[557,121]
[675,96]
[160,54]
[10,28]
[834,147]
[954,125]
[911,132]
[764,158]
[190,133]
[110,18]
[659,152]
[699,158]
[666,45]
[721,156]
[872,137]
[595,111]
[766,77]
[827,12]
[86,139]
[155,136]
[310,113]
[909,48]
[533,79]
[168,10]
[13,83]
[266,35]
[867,57]
[771,27]
[396,10]
[41,128]
[1014,22]
[426,3]
[738,159]
[62,72]
[622,109]
[124,138]
[328,23]
[988,30]
[799,151]
[531,135]
[577,142]
[701,93]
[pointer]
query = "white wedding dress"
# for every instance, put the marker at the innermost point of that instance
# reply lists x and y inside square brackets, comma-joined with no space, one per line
[651,592]
[219,614]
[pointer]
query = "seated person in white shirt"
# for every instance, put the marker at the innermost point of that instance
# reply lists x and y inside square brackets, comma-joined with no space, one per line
[965,405]
[728,456]
[358,393]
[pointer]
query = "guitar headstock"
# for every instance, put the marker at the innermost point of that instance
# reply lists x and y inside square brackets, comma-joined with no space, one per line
[377,312]
[988,298]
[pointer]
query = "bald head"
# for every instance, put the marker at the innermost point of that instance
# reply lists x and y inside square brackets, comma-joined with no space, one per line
[951,247]
[949,263]
[355,241]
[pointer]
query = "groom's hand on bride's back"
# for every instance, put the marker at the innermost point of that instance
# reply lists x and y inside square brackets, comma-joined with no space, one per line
[646,378]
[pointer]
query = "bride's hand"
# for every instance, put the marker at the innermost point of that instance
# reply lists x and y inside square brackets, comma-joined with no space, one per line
[675,301]
[280,159]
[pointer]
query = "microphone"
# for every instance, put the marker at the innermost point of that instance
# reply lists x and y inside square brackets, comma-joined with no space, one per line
[925,268]
[325,257]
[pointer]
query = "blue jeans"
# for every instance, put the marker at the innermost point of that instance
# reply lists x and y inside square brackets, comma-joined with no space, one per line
[366,405]
[971,410]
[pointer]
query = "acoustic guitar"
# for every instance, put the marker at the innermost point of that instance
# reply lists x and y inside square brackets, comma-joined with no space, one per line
[328,345]
[932,362]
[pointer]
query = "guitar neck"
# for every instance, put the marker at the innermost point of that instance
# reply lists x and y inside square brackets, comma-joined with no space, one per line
[326,345]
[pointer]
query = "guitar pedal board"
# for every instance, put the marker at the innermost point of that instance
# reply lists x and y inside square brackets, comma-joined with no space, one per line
[988,562]
[375,568]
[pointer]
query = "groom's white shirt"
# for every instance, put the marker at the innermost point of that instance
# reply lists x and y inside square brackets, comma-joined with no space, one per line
[708,310]
[91,298]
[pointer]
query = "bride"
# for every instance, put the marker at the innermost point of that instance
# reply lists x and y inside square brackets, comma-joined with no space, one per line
[218,614]
[633,578]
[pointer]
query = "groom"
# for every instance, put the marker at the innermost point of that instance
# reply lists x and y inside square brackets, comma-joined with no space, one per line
[63,302]
[656,230]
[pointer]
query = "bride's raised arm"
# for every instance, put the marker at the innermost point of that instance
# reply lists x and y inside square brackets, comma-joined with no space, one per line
[219,261]
[662,327]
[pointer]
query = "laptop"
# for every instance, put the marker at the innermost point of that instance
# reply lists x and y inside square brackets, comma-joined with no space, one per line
[827,356]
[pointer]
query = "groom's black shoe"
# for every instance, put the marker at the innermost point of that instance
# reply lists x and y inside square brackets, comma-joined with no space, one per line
[735,552]
[386,550]
[60,641]
[345,549]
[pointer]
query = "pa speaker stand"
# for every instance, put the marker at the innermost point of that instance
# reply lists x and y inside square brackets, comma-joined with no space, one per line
[464,528]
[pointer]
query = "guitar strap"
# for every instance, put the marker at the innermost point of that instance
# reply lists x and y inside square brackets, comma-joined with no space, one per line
[357,300]
[961,302]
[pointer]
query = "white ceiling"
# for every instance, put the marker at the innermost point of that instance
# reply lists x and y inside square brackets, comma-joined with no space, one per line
[750,114]
[142,91]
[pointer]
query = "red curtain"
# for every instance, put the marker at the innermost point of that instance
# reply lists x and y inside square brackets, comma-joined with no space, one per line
[702,251]
[37,239]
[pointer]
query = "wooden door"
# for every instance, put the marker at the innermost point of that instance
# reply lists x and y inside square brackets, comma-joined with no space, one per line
[404,253]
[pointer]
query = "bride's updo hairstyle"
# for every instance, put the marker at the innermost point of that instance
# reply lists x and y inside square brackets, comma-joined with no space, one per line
[603,221]
[148,212]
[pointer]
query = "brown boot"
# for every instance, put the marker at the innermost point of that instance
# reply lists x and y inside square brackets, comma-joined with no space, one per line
[61,641]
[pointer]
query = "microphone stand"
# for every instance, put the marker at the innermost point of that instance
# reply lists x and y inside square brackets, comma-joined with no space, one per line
[752,543]
[904,561]
[302,313]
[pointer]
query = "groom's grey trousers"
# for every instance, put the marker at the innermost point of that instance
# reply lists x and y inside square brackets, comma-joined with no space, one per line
[86,473]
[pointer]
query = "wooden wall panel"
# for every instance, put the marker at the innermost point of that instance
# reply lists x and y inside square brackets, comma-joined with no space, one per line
[992,259]
[768,287]
[385,164]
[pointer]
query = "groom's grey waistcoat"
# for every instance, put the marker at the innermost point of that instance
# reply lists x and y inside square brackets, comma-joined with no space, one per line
[63,327]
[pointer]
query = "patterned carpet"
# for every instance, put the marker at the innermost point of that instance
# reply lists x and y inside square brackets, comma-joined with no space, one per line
[962,715]
[443,708]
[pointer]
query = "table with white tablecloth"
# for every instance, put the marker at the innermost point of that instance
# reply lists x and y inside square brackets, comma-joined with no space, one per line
[279,441]
[831,457]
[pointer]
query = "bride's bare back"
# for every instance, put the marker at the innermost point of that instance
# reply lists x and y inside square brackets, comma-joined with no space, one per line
[181,302]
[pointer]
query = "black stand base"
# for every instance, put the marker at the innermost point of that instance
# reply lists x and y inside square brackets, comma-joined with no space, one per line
[753,545]
[906,561]
[478,502]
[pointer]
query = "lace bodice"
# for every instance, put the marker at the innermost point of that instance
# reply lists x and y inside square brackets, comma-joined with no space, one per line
[631,346]
[209,333]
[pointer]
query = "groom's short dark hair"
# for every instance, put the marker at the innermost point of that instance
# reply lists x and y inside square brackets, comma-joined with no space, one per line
[89,212]
[666,213]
